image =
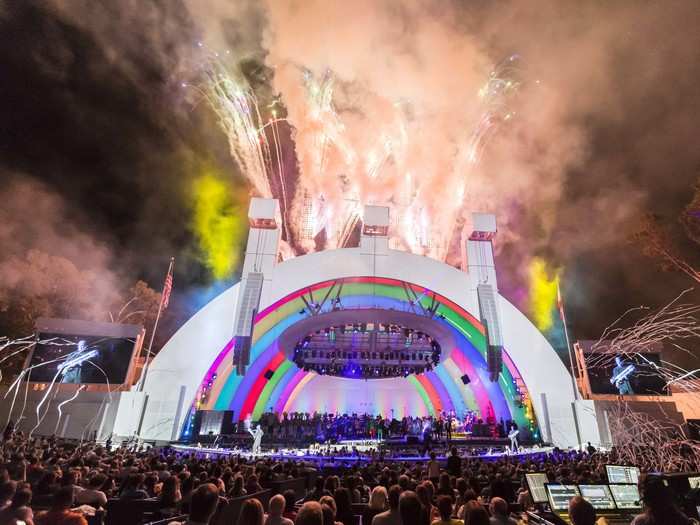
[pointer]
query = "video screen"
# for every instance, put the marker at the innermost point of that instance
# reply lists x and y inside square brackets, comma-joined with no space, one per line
[626,496]
[535,483]
[626,375]
[75,359]
[619,474]
[694,482]
[560,495]
[598,495]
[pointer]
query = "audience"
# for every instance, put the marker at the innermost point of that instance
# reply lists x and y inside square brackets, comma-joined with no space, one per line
[275,517]
[60,512]
[203,505]
[391,516]
[581,512]
[18,509]
[475,514]
[252,513]
[310,513]
[377,504]
[659,506]
[498,507]
[77,481]
[444,505]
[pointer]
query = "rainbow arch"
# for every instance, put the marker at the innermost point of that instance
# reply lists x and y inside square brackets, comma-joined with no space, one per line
[439,390]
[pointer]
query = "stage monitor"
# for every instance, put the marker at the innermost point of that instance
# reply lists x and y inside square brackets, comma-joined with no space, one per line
[620,474]
[80,352]
[598,495]
[626,496]
[560,495]
[631,374]
[694,482]
[535,484]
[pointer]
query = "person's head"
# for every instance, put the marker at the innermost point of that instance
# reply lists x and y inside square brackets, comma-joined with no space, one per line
[423,495]
[290,499]
[581,512]
[238,483]
[410,508]
[657,497]
[433,455]
[475,514]
[328,500]
[22,498]
[251,512]
[62,498]
[453,451]
[310,513]
[445,481]
[394,496]
[277,505]
[469,495]
[377,500]
[171,488]
[444,505]
[204,502]
[498,507]
[97,481]
[618,360]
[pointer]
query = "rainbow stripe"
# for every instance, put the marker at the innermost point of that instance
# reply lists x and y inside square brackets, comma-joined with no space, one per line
[440,389]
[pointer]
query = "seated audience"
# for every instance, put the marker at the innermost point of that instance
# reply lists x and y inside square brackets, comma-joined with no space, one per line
[60,513]
[498,507]
[275,517]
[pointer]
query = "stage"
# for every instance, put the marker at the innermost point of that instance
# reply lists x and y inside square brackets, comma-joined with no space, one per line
[328,455]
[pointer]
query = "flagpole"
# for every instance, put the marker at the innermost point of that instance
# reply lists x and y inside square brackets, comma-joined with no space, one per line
[155,327]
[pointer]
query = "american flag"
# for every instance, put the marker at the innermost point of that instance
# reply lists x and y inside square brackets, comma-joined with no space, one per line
[167,287]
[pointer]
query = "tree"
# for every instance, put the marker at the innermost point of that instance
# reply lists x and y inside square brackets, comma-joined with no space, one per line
[655,243]
[38,284]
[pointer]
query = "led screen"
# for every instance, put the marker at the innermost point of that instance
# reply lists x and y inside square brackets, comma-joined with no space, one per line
[75,359]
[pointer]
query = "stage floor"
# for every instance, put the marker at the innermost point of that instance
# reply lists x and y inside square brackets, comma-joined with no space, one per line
[322,456]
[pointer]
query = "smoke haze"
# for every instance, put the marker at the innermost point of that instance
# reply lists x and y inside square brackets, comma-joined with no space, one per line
[604,126]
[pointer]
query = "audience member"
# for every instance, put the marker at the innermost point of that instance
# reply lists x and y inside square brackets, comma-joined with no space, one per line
[659,507]
[60,513]
[498,507]
[581,512]
[275,516]
[251,512]
[310,513]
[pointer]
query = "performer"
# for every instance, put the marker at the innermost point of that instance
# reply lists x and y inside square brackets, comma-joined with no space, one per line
[448,427]
[257,434]
[513,436]
[620,377]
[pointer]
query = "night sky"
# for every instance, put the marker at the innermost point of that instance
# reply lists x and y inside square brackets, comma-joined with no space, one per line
[94,121]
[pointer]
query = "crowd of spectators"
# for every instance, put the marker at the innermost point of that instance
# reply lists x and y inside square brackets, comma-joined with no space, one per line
[48,481]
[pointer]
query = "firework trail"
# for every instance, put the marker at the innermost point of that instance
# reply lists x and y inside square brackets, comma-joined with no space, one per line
[237,108]
[342,169]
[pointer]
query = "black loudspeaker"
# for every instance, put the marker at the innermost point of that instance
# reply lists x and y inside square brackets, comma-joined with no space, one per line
[269,374]
[214,422]
[465,379]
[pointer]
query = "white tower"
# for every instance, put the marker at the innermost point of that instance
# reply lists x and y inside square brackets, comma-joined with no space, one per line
[260,258]
[482,271]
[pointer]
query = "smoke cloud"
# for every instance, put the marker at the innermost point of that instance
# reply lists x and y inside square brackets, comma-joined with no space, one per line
[601,128]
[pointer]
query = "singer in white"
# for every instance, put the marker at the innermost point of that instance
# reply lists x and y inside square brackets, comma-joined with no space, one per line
[257,434]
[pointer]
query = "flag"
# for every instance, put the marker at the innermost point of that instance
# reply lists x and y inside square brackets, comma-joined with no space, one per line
[167,287]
